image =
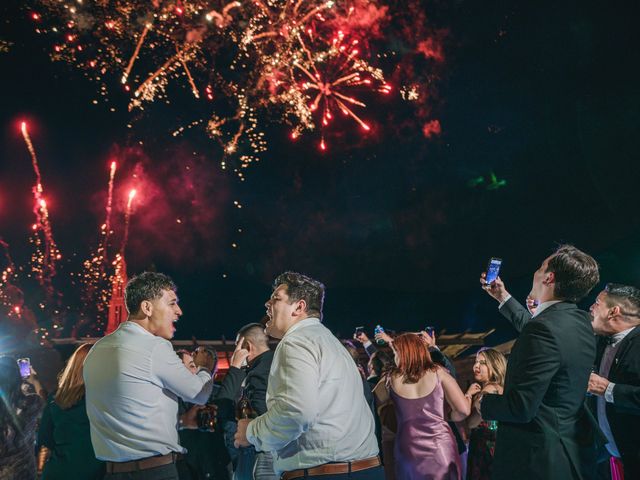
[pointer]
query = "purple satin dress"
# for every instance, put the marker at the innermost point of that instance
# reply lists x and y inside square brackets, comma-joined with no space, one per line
[425,447]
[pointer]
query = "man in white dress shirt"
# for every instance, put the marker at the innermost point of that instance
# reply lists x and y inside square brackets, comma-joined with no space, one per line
[133,379]
[317,422]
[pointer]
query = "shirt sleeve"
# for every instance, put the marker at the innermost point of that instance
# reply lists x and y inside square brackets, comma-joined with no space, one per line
[608,393]
[293,409]
[504,301]
[167,367]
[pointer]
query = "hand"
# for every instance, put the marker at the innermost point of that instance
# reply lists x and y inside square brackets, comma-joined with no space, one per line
[203,358]
[189,419]
[239,354]
[361,337]
[532,305]
[240,438]
[430,340]
[597,384]
[473,389]
[496,288]
[384,336]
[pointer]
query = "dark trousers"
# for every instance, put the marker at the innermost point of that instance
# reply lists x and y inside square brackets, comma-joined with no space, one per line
[164,472]
[375,473]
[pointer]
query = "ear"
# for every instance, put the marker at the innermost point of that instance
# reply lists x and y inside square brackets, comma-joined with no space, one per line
[551,278]
[614,311]
[146,307]
[301,307]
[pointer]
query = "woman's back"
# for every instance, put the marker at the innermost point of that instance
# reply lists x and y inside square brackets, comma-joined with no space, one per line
[425,446]
[66,433]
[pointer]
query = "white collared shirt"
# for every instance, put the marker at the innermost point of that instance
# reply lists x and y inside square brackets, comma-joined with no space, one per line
[132,380]
[316,409]
[539,309]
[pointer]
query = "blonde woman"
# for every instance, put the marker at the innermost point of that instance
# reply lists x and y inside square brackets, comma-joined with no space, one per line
[64,428]
[488,371]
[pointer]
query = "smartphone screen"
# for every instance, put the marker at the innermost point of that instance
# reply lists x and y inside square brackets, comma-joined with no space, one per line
[359,330]
[25,367]
[493,270]
[429,330]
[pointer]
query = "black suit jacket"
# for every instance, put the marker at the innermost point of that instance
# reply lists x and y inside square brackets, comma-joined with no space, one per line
[543,431]
[624,413]
[257,375]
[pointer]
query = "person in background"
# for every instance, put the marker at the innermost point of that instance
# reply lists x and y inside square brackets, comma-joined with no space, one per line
[247,380]
[19,415]
[615,383]
[425,444]
[64,428]
[488,371]
[206,457]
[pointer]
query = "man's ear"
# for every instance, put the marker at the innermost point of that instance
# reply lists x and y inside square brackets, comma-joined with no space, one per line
[301,307]
[551,278]
[146,307]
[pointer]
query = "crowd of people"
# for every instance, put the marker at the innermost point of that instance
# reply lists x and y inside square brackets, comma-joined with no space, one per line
[564,405]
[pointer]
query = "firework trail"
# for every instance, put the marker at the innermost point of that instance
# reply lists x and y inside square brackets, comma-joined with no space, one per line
[43,261]
[127,218]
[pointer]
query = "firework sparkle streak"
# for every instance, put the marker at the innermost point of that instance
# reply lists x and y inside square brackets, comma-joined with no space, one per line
[127,219]
[125,76]
[44,264]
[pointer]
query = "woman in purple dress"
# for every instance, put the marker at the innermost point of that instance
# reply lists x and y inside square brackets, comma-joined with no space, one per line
[425,447]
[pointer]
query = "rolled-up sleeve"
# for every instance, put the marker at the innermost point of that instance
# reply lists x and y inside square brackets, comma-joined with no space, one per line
[167,367]
[293,408]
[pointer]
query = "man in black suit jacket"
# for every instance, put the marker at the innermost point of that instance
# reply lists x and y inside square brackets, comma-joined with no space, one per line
[541,411]
[616,317]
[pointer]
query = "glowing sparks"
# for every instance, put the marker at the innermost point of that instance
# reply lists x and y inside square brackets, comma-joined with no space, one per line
[46,253]
[292,65]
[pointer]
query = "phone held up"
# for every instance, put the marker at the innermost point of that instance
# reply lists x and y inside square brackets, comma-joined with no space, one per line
[493,269]
[358,331]
[25,367]
[430,330]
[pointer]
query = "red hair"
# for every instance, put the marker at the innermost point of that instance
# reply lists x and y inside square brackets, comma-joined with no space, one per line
[413,357]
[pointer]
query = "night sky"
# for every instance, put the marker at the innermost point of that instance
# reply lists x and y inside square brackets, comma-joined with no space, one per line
[544,96]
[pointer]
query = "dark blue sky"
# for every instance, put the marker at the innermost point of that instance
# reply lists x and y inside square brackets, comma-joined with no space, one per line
[542,94]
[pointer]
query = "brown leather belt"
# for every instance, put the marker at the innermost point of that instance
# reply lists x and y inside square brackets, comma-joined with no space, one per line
[333,468]
[143,463]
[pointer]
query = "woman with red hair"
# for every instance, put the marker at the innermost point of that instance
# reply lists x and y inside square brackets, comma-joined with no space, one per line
[425,446]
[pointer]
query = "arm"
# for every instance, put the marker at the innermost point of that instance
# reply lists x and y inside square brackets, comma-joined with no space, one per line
[167,367]
[529,384]
[293,408]
[455,398]
[518,315]
[231,384]
[627,397]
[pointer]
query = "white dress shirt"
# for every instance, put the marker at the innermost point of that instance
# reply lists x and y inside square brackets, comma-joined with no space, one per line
[316,409]
[132,380]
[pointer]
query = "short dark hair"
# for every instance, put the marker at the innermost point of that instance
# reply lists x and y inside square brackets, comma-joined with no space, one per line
[146,286]
[255,333]
[625,296]
[380,361]
[301,287]
[576,273]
